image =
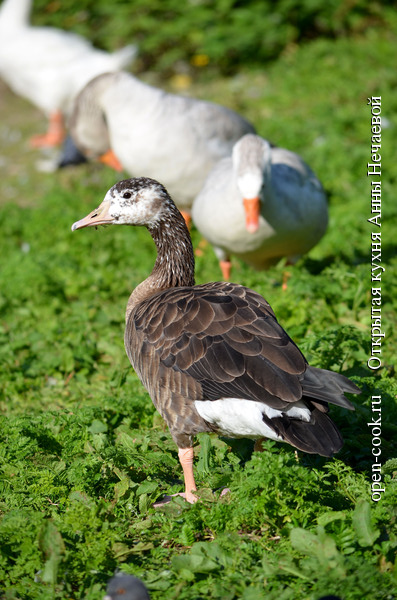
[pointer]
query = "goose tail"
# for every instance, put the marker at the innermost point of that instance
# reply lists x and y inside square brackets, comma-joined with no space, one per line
[319,436]
[327,386]
[125,56]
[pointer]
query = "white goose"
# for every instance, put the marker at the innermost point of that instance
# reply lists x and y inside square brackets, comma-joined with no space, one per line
[260,204]
[49,66]
[213,357]
[172,138]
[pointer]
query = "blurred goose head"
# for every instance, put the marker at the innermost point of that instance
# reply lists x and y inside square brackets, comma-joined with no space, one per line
[251,163]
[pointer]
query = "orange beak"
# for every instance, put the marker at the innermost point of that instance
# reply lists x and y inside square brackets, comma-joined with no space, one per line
[252,211]
[99,216]
[110,159]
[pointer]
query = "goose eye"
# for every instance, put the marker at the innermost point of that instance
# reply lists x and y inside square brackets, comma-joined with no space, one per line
[127,195]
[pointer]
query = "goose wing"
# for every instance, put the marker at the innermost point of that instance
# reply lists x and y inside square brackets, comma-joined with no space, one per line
[217,126]
[215,341]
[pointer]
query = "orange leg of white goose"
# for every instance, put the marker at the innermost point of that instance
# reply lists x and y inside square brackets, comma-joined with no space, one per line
[226,267]
[55,133]
[186,459]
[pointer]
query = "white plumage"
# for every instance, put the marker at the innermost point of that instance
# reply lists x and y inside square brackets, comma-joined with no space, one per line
[235,417]
[172,138]
[49,66]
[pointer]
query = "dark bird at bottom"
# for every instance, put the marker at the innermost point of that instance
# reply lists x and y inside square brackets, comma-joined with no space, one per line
[126,587]
[213,357]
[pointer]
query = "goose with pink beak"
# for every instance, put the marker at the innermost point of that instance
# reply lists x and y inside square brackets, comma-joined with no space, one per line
[213,356]
[260,204]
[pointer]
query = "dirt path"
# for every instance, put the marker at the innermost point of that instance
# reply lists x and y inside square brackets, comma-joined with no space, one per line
[19,120]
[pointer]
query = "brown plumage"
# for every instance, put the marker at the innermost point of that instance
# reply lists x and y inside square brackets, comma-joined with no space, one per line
[213,357]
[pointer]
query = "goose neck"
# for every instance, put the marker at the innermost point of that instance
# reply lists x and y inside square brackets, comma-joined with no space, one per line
[14,13]
[174,266]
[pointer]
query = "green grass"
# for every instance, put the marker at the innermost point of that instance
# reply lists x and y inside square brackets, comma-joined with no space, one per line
[83,453]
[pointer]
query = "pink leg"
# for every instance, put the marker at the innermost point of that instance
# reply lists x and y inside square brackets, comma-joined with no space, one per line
[186,459]
[186,456]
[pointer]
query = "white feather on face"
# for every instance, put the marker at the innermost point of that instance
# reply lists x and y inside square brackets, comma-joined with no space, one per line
[135,206]
[251,159]
[250,184]
[139,201]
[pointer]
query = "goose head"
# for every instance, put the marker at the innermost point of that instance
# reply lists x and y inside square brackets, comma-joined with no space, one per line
[251,160]
[88,124]
[137,201]
[145,202]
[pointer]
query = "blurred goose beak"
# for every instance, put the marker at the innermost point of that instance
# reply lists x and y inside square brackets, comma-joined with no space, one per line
[99,216]
[252,212]
[110,159]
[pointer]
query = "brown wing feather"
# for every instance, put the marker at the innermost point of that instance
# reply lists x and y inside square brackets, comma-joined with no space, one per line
[223,340]
[223,336]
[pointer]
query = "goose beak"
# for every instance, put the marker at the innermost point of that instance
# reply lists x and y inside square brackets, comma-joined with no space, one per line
[252,211]
[110,159]
[99,216]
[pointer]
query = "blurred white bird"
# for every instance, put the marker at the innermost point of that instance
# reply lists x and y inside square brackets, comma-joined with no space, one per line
[49,66]
[126,587]
[172,138]
[260,204]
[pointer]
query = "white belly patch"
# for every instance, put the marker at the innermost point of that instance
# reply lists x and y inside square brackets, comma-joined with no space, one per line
[236,417]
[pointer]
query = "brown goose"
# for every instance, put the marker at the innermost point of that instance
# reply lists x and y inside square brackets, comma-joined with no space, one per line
[213,357]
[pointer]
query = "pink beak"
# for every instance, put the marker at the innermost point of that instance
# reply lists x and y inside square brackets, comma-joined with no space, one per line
[99,216]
